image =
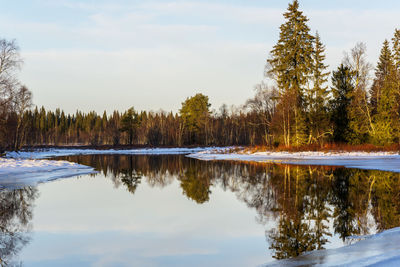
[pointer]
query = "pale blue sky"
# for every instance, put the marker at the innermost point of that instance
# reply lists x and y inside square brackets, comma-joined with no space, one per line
[153,54]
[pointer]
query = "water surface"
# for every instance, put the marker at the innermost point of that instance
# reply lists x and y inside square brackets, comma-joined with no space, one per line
[176,211]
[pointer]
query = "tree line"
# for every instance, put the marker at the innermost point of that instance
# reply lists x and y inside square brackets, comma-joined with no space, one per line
[189,127]
[295,105]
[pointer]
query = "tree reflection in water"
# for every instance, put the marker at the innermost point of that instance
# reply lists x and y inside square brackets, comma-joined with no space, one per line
[309,204]
[16,207]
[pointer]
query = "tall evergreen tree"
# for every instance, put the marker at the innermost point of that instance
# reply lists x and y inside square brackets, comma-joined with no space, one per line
[130,121]
[396,48]
[291,65]
[385,98]
[195,112]
[342,88]
[318,94]
[382,70]
[396,54]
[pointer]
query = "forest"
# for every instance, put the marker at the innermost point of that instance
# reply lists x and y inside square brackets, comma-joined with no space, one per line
[298,103]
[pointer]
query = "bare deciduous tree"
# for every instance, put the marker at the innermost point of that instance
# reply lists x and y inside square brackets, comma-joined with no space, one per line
[360,111]
[14,99]
[264,103]
[22,102]
[10,63]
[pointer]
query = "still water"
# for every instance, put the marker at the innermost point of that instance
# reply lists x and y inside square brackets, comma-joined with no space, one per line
[176,211]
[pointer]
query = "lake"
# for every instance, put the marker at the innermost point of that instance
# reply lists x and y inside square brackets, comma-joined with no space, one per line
[175,211]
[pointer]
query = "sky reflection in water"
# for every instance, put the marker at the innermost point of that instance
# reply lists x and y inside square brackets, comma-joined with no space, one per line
[175,211]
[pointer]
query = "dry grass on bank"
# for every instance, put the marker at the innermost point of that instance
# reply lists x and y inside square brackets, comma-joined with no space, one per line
[327,148]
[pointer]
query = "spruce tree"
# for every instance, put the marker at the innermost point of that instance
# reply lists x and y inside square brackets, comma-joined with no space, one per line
[130,121]
[396,54]
[382,70]
[386,117]
[318,94]
[299,127]
[396,48]
[342,88]
[291,65]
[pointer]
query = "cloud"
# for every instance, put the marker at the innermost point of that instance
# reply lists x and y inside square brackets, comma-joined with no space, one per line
[84,5]
[71,77]
[138,30]
[169,48]
[230,12]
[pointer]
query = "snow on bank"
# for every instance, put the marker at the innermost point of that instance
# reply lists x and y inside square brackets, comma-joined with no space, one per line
[384,161]
[24,168]
[17,173]
[382,249]
[47,153]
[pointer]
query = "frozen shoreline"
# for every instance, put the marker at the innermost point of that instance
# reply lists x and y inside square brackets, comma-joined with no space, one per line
[384,161]
[58,152]
[26,168]
[381,249]
[26,171]
[17,173]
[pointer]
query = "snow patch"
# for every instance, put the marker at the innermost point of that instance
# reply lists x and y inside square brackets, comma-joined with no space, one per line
[384,161]
[382,249]
[24,168]
[47,153]
[16,173]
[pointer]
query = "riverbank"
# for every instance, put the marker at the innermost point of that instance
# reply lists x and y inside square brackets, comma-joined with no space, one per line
[327,148]
[27,168]
[253,149]
[15,173]
[384,161]
[381,249]
[18,173]
[58,152]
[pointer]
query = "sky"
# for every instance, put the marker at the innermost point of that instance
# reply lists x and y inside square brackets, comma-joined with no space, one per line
[152,55]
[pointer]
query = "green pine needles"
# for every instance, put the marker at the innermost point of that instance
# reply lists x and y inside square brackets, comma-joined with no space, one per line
[352,110]
[297,66]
